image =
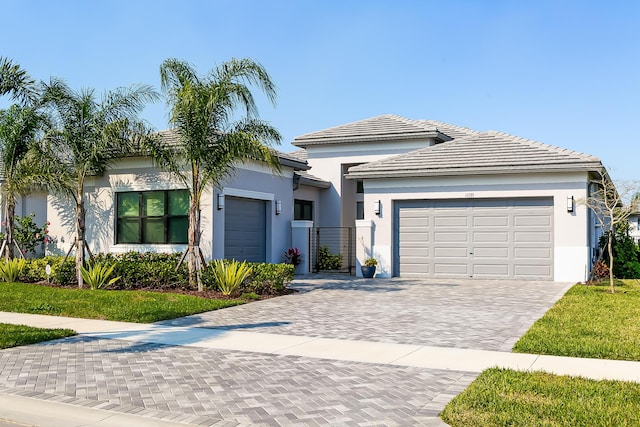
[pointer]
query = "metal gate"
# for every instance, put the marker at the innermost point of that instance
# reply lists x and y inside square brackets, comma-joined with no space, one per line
[332,249]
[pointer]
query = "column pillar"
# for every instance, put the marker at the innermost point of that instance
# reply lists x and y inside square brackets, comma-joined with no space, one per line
[300,239]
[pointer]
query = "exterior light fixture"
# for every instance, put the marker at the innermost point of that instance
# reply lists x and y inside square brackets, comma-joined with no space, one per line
[220,201]
[569,203]
[377,207]
[278,207]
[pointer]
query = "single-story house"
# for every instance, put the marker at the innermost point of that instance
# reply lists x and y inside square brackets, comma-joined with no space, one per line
[426,198]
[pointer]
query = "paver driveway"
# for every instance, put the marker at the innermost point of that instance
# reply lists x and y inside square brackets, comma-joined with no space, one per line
[224,387]
[481,314]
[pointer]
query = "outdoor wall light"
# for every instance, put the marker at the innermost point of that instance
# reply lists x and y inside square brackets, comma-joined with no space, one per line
[569,203]
[220,201]
[278,207]
[377,206]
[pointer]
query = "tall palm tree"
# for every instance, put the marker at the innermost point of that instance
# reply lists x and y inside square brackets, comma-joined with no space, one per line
[88,135]
[211,140]
[19,127]
[16,82]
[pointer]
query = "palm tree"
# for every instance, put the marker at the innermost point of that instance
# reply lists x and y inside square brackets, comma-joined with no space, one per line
[19,127]
[211,142]
[16,82]
[88,135]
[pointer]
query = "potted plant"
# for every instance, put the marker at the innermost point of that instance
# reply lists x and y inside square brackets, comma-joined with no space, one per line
[369,267]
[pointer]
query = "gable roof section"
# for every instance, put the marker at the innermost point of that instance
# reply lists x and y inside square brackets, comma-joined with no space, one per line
[480,154]
[380,128]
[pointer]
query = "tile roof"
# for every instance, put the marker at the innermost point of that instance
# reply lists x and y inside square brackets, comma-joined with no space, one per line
[480,153]
[380,128]
[311,180]
[170,139]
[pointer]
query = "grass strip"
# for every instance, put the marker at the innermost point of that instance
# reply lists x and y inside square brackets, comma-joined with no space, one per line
[125,306]
[588,321]
[16,335]
[502,397]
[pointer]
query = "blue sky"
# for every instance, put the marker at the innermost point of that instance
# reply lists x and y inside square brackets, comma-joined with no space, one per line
[564,73]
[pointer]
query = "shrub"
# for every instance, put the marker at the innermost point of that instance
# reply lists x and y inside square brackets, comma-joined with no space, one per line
[146,270]
[229,275]
[97,275]
[625,253]
[293,256]
[10,269]
[327,260]
[270,279]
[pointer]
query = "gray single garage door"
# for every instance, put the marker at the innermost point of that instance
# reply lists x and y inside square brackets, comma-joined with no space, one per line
[245,229]
[478,238]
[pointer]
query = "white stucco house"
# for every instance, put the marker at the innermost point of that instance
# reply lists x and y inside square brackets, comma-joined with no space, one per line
[426,198]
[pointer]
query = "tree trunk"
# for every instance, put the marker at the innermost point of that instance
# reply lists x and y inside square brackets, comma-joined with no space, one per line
[80,232]
[9,216]
[193,254]
[610,261]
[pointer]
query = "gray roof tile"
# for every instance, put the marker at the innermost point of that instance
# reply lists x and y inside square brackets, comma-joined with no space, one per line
[481,153]
[380,128]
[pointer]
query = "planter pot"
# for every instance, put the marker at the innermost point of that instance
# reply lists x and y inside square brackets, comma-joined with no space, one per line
[368,272]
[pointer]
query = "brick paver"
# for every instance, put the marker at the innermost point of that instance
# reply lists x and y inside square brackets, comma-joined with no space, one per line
[212,387]
[487,315]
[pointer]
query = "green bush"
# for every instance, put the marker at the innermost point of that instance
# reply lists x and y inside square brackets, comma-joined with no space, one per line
[625,253]
[270,279]
[157,271]
[147,270]
[327,260]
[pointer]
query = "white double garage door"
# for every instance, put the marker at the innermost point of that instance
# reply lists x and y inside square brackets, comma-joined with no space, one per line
[475,238]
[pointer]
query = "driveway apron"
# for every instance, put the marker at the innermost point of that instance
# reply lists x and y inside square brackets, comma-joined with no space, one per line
[202,386]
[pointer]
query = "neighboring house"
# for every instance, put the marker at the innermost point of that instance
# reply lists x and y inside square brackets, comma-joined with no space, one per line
[634,227]
[426,198]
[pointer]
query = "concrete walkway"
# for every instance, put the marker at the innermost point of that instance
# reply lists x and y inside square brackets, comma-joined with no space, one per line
[456,359]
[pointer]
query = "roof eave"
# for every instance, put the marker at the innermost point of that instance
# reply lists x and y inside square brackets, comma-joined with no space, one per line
[577,167]
[372,138]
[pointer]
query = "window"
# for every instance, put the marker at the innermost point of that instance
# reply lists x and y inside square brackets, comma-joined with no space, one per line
[359,210]
[359,186]
[152,216]
[303,210]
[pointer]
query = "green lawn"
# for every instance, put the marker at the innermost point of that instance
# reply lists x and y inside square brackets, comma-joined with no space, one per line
[589,322]
[15,335]
[508,398]
[128,306]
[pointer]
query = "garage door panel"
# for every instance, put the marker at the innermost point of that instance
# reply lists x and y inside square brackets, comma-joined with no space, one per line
[492,238]
[532,253]
[459,252]
[451,268]
[489,252]
[491,270]
[450,237]
[530,220]
[453,221]
[532,237]
[533,271]
[490,221]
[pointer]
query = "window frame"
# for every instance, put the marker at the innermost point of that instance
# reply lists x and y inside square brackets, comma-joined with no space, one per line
[142,218]
[302,203]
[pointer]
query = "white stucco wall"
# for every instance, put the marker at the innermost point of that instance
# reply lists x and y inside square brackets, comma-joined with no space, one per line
[327,162]
[570,230]
[252,180]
